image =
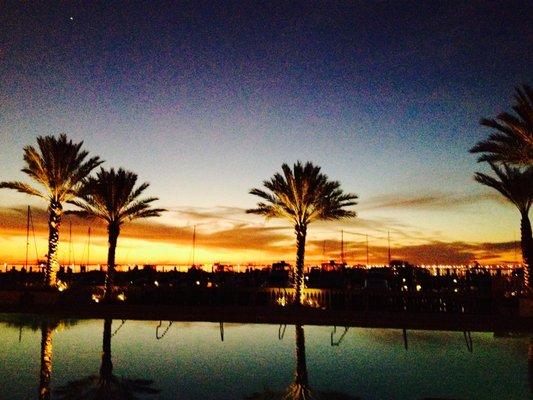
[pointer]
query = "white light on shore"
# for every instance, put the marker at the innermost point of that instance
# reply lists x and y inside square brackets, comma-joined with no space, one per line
[282,301]
[61,286]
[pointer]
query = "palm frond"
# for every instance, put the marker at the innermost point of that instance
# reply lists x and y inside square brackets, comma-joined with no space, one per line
[512,140]
[79,213]
[112,388]
[302,194]
[137,192]
[58,165]
[113,197]
[22,187]
[514,183]
[147,213]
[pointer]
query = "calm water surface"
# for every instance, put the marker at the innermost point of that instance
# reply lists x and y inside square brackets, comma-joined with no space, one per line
[191,361]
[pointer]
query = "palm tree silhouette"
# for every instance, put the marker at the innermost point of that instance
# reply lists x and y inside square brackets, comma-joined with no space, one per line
[105,385]
[299,389]
[302,195]
[512,140]
[59,166]
[517,186]
[112,197]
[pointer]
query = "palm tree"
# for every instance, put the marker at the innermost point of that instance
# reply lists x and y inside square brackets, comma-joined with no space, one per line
[302,195]
[112,197]
[516,185]
[512,140]
[59,166]
[105,385]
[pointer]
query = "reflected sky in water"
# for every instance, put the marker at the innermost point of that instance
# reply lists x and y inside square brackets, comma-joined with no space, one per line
[191,361]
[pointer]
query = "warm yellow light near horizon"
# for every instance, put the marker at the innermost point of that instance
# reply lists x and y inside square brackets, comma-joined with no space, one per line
[129,251]
[136,251]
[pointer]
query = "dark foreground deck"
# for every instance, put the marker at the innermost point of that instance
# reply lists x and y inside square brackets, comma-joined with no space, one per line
[286,315]
[461,306]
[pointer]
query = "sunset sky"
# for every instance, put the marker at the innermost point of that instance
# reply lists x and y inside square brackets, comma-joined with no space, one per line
[205,101]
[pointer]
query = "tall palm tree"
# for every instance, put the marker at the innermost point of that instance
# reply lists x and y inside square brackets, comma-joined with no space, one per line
[516,185]
[112,197]
[512,140]
[302,195]
[59,166]
[106,385]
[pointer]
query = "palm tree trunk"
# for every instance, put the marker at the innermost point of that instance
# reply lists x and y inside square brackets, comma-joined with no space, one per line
[106,367]
[527,250]
[46,361]
[300,231]
[113,230]
[54,222]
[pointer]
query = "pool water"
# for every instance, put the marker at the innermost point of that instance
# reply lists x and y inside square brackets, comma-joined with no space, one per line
[202,360]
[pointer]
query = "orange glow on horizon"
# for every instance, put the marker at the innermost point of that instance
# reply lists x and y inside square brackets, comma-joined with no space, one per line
[153,242]
[138,252]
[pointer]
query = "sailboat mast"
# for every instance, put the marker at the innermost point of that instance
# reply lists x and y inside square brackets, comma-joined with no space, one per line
[70,242]
[388,240]
[193,243]
[342,247]
[367,258]
[27,237]
[88,247]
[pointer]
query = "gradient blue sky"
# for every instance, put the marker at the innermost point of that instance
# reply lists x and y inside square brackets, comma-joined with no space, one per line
[206,100]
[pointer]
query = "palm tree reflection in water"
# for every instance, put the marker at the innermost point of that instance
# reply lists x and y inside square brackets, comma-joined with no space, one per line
[300,389]
[47,325]
[47,329]
[530,364]
[106,385]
